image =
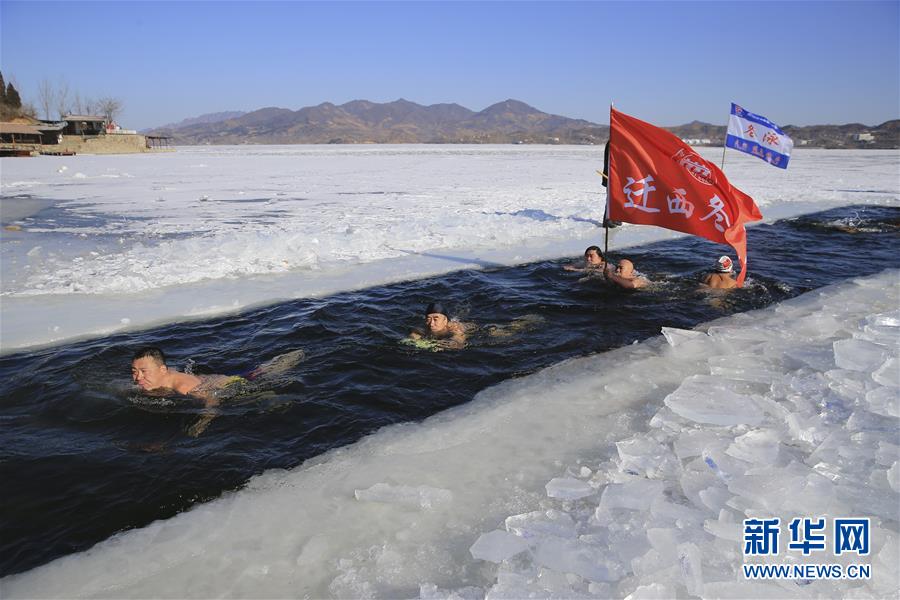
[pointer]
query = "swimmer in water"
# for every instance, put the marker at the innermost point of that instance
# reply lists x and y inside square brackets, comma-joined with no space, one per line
[594,263]
[438,326]
[722,278]
[150,372]
[625,276]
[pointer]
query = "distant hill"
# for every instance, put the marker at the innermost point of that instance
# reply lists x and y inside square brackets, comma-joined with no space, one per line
[202,119]
[507,122]
[401,121]
[852,135]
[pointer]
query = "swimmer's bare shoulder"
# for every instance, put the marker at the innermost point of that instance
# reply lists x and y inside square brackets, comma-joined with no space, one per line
[719,281]
[458,333]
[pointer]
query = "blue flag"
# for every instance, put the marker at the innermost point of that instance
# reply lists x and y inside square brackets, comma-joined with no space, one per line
[756,135]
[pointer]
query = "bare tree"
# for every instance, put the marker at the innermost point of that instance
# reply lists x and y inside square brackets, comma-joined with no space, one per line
[109,107]
[46,97]
[78,104]
[90,106]
[62,98]
[29,109]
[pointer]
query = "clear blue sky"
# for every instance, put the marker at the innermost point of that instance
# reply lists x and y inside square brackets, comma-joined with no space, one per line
[797,63]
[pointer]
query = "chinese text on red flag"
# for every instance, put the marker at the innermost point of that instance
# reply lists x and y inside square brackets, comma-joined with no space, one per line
[656,179]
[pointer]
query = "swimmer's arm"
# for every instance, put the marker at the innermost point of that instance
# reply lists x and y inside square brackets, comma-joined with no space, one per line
[415,335]
[457,338]
[628,284]
[201,424]
[592,274]
[620,281]
[206,417]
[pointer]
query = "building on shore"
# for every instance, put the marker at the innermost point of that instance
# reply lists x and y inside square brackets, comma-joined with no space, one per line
[74,134]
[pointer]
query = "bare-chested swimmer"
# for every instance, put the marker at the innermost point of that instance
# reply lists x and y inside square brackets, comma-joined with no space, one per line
[625,276]
[722,278]
[438,326]
[150,372]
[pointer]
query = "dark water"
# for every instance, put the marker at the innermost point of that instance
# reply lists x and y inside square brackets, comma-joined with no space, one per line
[84,456]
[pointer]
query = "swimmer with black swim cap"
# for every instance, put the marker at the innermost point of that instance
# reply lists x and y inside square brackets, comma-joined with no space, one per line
[438,326]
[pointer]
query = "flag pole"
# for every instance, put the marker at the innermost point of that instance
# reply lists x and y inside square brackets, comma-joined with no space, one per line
[724,147]
[606,176]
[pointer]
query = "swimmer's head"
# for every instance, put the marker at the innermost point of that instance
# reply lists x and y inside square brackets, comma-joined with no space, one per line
[593,256]
[148,368]
[724,265]
[436,317]
[435,308]
[625,268]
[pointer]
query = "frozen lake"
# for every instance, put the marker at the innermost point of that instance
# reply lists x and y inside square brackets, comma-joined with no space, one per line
[625,473]
[111,243]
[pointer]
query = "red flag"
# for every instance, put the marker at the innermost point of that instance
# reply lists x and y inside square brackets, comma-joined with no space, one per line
[656,179]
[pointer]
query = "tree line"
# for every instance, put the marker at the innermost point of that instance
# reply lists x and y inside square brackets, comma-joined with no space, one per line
[55,101]
[10,100]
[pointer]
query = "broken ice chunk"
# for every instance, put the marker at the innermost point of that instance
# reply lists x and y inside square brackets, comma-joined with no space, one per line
[708,399]
[884,401]
[893,476]
[497,546]
[636,494]
[568,488]
[573,556]
[541,523]
[689,559]
[858,355]
[681,514]
[423,496]
[693,441]
[759,447]
[888,374]
[723,528]
[715,498]
[645,456]
[675,336]
[820,358]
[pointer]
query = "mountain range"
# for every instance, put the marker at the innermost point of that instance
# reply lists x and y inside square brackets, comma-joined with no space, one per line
[507,122]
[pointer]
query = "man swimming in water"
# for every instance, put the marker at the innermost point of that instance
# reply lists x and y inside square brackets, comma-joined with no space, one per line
[625,276]
[150,372]
[593,261]
[438,326]
[722,278]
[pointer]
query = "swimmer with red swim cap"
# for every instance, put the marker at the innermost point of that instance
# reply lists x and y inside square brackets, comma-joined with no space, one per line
[722,277]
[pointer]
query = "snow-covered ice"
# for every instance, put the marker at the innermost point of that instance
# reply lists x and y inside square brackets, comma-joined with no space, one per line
[671,491]
[136,240]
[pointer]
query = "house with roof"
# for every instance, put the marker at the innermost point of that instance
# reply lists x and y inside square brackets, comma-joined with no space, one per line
[84,125]
[73,134]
